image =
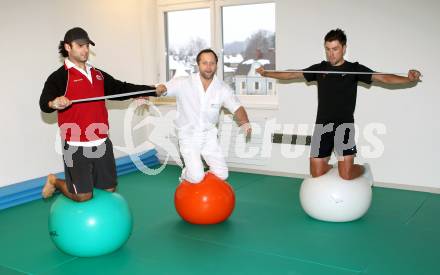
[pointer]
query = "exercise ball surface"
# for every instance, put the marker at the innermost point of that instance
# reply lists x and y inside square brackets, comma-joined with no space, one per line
[92,228]
[208,202]
[331,198]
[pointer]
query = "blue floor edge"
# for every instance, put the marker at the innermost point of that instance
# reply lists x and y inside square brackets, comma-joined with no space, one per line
[29,190]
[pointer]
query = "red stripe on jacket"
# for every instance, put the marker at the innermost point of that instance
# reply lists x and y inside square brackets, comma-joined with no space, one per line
[85,121]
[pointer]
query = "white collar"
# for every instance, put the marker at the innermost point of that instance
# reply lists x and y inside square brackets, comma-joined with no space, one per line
[70,64]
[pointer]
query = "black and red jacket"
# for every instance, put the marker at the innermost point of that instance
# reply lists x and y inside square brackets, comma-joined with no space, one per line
[86,121]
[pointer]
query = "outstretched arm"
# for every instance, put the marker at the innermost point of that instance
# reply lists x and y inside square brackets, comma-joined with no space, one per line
[113,86]
[280,75]
[171,88]
[413,76]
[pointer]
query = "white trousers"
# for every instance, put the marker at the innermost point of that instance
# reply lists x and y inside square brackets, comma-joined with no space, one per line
[193,147]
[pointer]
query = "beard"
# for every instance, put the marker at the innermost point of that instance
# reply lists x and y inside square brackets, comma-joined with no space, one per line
[80,57]
[335,61]
[84,58]
[207,76]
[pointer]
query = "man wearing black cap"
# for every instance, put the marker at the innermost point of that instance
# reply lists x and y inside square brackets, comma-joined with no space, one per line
[87,152]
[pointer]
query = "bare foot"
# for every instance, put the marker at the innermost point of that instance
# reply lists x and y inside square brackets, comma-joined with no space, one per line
[49,188]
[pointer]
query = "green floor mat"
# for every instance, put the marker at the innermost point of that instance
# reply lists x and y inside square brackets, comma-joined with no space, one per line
[268,233]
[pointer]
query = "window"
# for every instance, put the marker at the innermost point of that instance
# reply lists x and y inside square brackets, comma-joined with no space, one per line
[187,32]
[241,32]
[248,42]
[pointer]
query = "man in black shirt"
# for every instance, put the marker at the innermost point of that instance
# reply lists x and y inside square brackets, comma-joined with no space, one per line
[337,93]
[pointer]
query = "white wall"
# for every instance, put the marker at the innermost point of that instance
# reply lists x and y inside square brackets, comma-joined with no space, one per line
[124,33]
[386,36]
[391,36]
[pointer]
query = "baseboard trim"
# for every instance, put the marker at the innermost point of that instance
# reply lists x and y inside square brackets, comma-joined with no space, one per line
[29,190]
[407,187]
[426,189]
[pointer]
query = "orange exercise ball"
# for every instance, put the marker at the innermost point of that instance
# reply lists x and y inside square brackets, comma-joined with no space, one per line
[208,202]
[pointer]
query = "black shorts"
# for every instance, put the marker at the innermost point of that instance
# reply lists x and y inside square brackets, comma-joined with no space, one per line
[86,168]
[333,136]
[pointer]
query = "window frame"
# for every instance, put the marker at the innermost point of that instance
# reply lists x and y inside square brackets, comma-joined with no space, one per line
[215,6]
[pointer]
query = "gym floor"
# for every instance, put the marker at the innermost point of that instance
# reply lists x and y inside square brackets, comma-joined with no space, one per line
[268,233]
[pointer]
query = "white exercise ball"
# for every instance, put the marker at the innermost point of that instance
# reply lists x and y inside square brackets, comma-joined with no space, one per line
[331,198]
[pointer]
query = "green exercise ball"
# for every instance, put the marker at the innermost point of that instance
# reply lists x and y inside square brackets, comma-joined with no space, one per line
[91,228]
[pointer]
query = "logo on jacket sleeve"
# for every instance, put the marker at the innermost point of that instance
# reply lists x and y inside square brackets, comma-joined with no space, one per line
[99,77]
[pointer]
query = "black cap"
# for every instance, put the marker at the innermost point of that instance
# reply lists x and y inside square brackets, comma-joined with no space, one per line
[79,35]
